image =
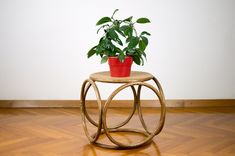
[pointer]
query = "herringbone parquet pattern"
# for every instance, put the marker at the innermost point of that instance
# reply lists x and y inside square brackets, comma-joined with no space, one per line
[51,132]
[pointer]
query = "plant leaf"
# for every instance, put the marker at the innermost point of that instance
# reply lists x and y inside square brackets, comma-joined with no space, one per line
[113,34]
[145,33]
[136,59]
[118,50]
[142,45]
[104,59]
[121,56]
[125,49]
[101,40]
[133,42]
[104,20]
[101,28]
[128,30]
[131,51]
[128,39]
[142,60]
[112,53]
[119,41]
[145,40]
[144,55]
[143,20]
[124,29]
[99,49]
[128,19]
[119,31]
[91,52]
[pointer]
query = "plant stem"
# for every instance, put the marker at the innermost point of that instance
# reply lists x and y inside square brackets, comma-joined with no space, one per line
[135,31]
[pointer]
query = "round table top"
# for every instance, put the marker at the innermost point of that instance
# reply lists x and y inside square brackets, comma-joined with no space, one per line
[136,76]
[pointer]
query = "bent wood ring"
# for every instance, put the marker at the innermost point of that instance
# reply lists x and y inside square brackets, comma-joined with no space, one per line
[101,125]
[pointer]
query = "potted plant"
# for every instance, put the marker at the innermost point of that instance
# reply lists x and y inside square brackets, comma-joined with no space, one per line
[121,44]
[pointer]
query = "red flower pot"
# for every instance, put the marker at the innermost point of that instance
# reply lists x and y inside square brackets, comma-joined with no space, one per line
[120,69]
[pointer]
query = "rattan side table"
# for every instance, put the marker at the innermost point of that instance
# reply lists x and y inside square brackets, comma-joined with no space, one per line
[136,78]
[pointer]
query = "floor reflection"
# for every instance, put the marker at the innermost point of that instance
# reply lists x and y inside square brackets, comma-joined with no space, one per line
[148,150]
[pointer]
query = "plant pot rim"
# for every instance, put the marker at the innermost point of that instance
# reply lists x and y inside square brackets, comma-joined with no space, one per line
[117,56]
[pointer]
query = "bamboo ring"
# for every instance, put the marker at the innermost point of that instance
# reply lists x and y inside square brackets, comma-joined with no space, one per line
[84,112]
[150,136]
[137,79]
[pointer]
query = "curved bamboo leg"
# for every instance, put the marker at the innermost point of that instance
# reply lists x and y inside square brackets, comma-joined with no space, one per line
[115,128]
[139,106]
[163,99]
[85,111]
[140,111]
[118,125]
[120,130]
[84,90]
[159,87]
[131,114]
[149,136]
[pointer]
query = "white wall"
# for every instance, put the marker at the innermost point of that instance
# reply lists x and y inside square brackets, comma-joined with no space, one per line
[43,45]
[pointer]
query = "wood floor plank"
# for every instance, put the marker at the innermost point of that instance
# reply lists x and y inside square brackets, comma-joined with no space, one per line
[58,131]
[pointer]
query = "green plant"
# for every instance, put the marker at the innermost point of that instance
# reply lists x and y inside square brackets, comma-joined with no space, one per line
[121,39]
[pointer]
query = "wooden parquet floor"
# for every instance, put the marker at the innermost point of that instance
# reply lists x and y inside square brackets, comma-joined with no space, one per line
[52,132]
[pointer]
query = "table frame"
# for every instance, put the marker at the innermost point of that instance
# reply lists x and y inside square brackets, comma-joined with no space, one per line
[101,124]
